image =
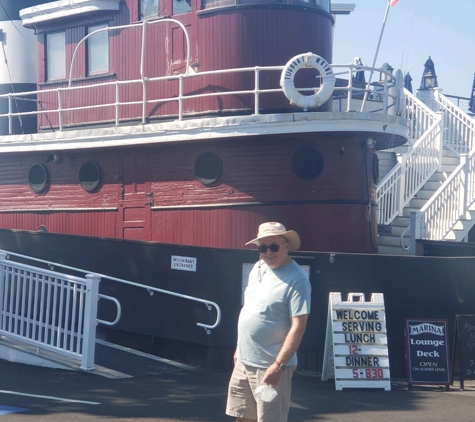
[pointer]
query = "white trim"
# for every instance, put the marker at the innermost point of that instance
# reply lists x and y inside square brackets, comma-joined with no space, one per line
[342,8]
[64,8]
[205,129]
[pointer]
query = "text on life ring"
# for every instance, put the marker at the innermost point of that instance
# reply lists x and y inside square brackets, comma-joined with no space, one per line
[325,90]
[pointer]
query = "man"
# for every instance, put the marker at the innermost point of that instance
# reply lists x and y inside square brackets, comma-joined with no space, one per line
[270,328]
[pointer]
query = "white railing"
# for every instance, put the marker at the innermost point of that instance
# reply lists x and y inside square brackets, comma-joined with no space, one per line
[399,186]
[452,201]
[459,135]
[385,97]
[208,303]
[447,206]
[49,310]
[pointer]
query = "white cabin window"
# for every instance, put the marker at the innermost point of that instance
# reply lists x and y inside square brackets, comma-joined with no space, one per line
[148,8]
[56,56]
[97,50]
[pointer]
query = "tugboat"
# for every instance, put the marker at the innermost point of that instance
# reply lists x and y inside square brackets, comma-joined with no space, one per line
[164,132]
[191,123]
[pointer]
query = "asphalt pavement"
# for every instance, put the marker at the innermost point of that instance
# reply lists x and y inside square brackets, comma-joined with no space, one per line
[154,390]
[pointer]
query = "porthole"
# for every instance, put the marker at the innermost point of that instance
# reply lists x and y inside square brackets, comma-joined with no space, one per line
[89,176]
[38,178]
[208,168]
[307,163]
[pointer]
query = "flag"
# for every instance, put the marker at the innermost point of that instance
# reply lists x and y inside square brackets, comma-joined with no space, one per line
[392,2]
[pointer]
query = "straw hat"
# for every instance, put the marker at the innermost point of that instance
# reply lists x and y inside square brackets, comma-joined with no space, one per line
[277,229]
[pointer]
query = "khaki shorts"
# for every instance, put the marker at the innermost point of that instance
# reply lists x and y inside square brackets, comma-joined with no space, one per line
[243,404]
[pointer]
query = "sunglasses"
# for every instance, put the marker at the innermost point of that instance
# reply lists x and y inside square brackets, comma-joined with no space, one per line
[274,247]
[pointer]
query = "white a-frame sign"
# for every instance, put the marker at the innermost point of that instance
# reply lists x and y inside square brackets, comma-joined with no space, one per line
[356,345]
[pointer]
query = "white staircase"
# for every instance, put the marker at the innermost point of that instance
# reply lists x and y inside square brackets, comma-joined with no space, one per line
[430,193]
[390,244]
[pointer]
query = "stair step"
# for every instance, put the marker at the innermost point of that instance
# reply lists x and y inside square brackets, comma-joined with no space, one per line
[401,221]
[389,250]
[406,212]
[417,203]
[425,194]
[450,161]
[389,241]
[439,176]
[395,231]
[433,185]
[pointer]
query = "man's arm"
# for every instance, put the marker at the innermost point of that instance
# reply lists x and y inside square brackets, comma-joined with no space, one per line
[290,346]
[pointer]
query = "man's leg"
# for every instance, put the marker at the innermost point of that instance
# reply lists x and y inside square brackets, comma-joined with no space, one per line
[241,403]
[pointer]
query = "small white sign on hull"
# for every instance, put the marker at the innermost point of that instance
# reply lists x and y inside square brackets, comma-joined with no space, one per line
[183,263]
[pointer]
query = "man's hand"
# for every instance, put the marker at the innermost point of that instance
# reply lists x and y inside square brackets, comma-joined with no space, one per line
[272,375]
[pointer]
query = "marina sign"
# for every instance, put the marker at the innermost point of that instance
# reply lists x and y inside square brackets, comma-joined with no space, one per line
[427,352]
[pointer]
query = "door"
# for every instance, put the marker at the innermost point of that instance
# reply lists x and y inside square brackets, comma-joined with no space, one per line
[135,199]
[183,11]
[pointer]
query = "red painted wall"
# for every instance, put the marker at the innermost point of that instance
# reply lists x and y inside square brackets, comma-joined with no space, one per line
[220,39]
[329,211]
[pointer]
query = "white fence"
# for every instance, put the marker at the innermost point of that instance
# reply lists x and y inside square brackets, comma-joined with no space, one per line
[49,310]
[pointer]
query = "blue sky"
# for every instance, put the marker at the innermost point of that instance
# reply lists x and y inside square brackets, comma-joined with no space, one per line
[415,30]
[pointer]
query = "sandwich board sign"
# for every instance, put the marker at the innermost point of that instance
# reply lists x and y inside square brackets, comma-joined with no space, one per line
[464,348]
[356,345]
[427,351]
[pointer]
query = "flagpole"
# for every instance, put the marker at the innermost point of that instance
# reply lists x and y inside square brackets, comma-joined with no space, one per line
[376,54]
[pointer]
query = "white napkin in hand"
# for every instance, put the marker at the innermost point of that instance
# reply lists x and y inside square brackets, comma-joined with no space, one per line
[265,393]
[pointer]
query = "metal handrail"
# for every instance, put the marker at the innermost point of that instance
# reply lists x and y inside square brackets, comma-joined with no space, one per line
[144,25]
[208,303]
[119,311]
[387,92]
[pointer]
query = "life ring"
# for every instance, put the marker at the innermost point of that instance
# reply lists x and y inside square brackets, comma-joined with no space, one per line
[308,60]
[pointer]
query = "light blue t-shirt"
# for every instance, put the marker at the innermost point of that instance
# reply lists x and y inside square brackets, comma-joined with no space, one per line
[271,299]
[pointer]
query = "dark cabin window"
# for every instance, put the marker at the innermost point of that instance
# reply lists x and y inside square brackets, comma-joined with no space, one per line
[55,56]
[89,176]
[97,50]
[148,8]
[181,6]
[38,178]
[208,168]
[307,163]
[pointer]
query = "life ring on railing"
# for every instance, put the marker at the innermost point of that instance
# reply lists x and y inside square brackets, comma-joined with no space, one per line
[308,60]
